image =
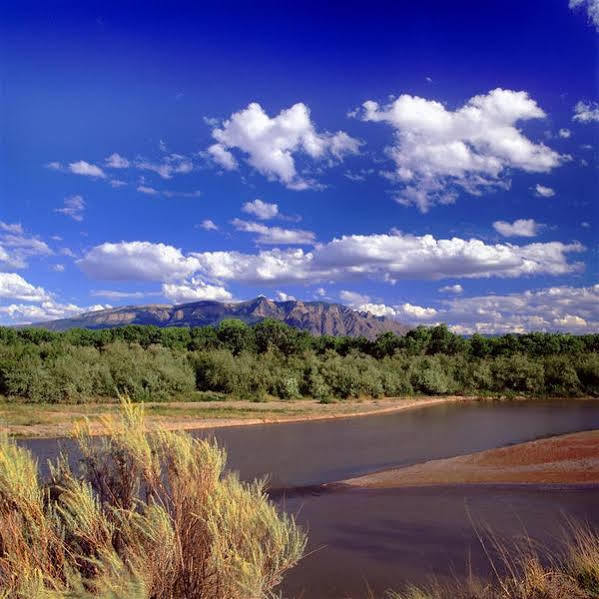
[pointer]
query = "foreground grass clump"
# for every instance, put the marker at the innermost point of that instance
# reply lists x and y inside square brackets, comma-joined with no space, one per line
[149,516]
[524,572]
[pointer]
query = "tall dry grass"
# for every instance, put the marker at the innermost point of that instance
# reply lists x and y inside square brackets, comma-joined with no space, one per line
[148,516]
[522,570]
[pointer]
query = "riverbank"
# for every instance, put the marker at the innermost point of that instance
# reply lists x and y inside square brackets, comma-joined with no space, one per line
[565,459]
[26,420]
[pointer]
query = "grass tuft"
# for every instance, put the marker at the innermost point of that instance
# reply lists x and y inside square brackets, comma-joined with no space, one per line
[148,516]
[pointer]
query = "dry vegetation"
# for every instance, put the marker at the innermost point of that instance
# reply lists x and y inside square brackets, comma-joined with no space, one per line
[150,515]
[525,571]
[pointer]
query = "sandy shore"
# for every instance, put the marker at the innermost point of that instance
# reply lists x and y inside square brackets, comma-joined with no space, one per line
[44,421]
[566,459]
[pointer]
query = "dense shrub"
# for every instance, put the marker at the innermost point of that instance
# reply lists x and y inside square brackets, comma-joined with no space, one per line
[272,359]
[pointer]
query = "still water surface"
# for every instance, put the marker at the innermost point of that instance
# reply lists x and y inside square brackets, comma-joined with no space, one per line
[383,538]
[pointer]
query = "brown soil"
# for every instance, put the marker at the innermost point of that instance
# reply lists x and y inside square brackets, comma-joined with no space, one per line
[566,459]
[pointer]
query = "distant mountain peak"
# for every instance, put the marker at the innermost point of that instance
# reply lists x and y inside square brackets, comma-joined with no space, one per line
[317,317]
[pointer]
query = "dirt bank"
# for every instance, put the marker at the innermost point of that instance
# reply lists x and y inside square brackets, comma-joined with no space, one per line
[43,420]
[565,459]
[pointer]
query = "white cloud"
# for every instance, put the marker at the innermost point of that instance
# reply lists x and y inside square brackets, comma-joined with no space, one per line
[273,143]
[438,151]
[117,183]
[47,310]
[284,297]
[58,267]
[111,294]
[182,194]
[16,248]
[147,190]
[544,192]
[194,290]
[85,168]
[392,257]
[565,133]
[14,228]
[137,260]
[519,228]
[555,308]
[73,206]
[565,308]
[275,235]
[457,289]
[171,164]
[261,210]
[208,225]
[15,287]
[385,257]
[352,298]
[116,161]
[592,7]
[223,157]
[407,313]
[586,112]
[55,166]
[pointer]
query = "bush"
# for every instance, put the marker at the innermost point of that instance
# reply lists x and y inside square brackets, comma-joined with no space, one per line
[150,516]
[429,377]
[518,374]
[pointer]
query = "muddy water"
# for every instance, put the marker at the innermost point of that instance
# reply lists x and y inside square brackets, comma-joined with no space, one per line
[383,538]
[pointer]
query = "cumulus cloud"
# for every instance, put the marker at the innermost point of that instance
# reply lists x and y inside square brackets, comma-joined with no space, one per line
[261,210]
[519,228]
[573,309]
[565,133]
[392,257]
[208,225]
[137,261]
[275,235]
[73,206]
[592,8]
[47,310]
[85,168]
[586,112]
[565,308]
[457,289]
[438,151]
[116,161]
[284,297]
[544,192]
[406,312]
[194,290]
[385,257]
[15,287]
[352,298]
[271,144]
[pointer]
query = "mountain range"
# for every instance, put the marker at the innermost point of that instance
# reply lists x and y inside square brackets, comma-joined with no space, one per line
[319,318]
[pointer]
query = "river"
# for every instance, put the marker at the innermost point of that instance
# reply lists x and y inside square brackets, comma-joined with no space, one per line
[381,538]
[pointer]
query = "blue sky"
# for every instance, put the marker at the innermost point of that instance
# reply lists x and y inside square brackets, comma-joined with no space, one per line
[433,162]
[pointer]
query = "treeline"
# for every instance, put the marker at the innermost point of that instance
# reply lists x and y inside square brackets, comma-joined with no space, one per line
[273,359]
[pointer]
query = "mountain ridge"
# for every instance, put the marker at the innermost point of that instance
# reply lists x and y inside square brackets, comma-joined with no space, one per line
[317,317]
